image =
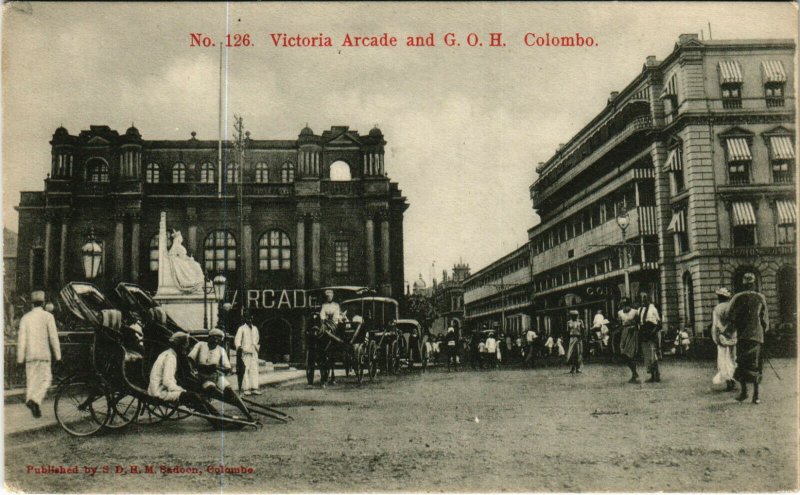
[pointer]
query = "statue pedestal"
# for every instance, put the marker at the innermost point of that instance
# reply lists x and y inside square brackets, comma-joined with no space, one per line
[187,310]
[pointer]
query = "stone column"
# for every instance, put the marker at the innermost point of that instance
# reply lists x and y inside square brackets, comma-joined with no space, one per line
[119,247]
[135,261]
[385,269]
[315,248]
[300,251]
[48,244]
[191,238]
[370,250]
[62,255]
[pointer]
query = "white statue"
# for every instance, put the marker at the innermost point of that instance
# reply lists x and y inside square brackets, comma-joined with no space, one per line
[186,272]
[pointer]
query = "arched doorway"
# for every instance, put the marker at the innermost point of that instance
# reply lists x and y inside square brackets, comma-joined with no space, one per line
[340,171]
[786,286]
[276,341]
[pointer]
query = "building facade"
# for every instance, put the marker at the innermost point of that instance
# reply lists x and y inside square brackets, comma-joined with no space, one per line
[297,214]
[448,299]
[499,295]
[698,151]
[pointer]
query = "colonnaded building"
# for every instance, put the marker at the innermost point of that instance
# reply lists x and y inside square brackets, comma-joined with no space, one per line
[697,156]
[315,211]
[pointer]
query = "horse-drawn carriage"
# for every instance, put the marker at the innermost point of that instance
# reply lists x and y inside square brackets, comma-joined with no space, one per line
[411,346]
[126,340]
[361,341]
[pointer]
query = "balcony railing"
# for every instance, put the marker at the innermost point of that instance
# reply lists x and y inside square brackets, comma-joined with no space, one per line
[94,188]
[266,189]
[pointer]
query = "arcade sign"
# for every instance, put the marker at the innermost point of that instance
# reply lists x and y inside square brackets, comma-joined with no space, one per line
[277,299]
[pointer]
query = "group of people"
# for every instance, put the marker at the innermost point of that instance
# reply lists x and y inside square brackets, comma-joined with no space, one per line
[38,346]
[739,323]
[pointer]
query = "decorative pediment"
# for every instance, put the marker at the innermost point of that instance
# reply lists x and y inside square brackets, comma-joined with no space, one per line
[98,141]
[343,139]
[778,131]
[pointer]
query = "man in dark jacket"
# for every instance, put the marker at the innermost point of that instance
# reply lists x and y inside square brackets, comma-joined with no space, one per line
[749,320]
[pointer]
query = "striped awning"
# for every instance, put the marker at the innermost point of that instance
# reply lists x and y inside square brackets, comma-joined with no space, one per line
[643,94]
[730,72]
[678,222]
[675,160]
[671,89]
[787,211]
[781,147]
[738,150]
[743,214]
[772,71]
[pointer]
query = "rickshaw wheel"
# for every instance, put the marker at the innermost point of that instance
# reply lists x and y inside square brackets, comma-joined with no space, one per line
[360,362]
[124,410]
[152,413]
[82,406]
[387,359]
[395,350]
[372,360]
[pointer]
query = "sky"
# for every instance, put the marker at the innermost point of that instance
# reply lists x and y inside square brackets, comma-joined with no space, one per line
[465,126]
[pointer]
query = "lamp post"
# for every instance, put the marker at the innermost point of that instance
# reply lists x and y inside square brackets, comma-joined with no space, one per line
[219,284]
[622,222]
[91,256]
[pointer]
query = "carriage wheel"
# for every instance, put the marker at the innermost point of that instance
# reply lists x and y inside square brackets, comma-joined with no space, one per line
[151,413]
[372,360]
[82,406]
[395,350]
[361,363]
[387,359]
[309,367]
[124,410]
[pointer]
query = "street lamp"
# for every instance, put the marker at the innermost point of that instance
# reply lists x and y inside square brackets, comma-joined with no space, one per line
[219,284]
[91,255]
[623,220]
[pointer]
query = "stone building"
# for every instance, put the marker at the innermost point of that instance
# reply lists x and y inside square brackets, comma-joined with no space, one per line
[699,151]
[303,213]
[499,295]
[448,299]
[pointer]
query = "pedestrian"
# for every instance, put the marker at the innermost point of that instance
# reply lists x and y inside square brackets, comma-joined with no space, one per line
[629,340]
[247,340]
[451,339]
[749,319]
[550,345]
[530,347]
[560,347]
[726,343]
[649,336]
[576,331]
[37,345]
[491,351]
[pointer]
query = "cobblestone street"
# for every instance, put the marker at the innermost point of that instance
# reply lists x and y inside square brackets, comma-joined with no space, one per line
[507,430]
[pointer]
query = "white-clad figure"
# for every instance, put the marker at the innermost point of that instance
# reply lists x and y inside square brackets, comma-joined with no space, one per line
[37,345]
[247,340]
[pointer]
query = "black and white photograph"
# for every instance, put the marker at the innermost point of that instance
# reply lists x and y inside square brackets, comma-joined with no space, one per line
[388,247]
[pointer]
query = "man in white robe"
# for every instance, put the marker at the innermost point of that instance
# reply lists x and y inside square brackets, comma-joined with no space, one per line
[247,340]
[37,345]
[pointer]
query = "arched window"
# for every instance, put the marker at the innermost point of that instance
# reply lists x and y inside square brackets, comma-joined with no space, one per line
[340,171]
[152,174]
[688,298]
[207,173]
[97,171]
[262,172]
[220,251]
[274,251]
[786,286]
[179,173]
[287,172]
[232,173]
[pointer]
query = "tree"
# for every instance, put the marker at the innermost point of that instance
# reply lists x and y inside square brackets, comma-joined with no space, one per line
[418,307]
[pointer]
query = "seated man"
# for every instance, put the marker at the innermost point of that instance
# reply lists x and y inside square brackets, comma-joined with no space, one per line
[162,377]
[212,366]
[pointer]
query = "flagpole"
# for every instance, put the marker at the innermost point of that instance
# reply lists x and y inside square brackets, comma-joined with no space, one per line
[219,148]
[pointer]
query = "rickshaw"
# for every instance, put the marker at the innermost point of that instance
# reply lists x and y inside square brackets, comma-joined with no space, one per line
[411,346]
[158,327]
[346,344]
[113,393]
